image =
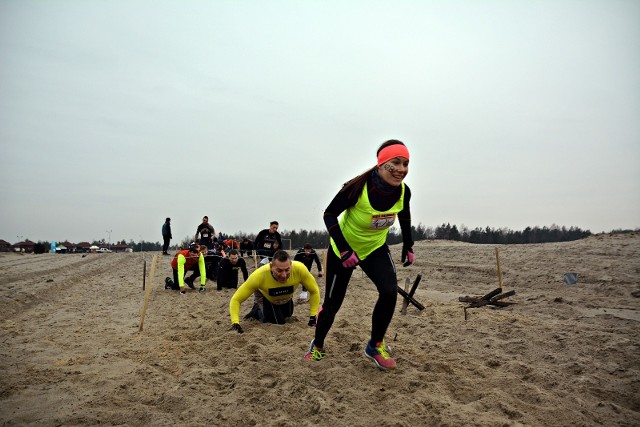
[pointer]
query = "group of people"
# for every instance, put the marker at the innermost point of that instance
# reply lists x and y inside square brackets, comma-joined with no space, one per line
[197,260]
[267,242]
[357,219]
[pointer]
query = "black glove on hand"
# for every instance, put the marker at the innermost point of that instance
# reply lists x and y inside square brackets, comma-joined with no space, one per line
[237,327]
[407,256]
[312,321]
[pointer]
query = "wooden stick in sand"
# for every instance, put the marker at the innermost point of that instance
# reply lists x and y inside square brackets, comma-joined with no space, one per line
[148,292]
[499,271]
[405,302]
[144,273]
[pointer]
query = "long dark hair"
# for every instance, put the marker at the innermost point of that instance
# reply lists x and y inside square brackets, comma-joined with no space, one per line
[355,185]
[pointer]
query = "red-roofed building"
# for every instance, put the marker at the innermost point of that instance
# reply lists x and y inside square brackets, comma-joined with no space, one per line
[26,246]
[67,244]
[5,246]
[83,247]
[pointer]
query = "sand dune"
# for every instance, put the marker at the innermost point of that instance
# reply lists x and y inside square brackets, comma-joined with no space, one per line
[72,352]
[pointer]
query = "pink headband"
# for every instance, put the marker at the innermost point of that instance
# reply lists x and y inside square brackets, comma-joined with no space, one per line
[392,151]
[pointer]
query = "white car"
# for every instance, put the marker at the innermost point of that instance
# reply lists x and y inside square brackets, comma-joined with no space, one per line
[105,250]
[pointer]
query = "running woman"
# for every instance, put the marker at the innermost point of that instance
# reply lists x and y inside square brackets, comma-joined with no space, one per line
[358,221]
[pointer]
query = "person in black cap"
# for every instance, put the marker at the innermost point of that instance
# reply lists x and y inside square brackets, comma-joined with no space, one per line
[166,236]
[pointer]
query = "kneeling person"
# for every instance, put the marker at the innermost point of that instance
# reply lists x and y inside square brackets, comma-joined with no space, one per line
[228,270]
[184,261]
[275,285]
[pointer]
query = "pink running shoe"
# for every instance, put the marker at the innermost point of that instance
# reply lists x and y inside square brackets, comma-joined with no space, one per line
[380,355]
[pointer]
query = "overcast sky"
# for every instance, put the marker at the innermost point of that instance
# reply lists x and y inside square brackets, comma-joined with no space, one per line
[117,114]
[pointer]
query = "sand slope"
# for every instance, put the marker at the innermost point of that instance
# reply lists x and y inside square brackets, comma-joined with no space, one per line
[72,353]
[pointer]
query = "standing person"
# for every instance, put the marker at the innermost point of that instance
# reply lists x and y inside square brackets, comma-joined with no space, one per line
[206,232]
[307,255]
[184,261]
[166,236]
[275,283]
[268,240]
[370,203]
[228,270]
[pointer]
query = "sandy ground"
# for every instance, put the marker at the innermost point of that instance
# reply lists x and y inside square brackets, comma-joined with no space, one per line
[563,355]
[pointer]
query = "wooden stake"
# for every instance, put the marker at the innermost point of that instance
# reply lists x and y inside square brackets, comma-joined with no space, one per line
[144,273]
[148,293]
[499,271]
[405,302]
[408,296]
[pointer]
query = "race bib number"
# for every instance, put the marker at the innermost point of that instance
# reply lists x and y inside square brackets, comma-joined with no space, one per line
[382,221]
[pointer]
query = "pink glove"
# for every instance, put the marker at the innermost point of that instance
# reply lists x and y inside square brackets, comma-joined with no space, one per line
[407,256]
[349,259]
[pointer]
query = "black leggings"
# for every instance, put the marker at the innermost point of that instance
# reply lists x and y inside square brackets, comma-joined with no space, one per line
[266,312]
[379,267]
[272,313]
[176,283]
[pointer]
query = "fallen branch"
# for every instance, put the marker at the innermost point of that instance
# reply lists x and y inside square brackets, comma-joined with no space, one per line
[492,298]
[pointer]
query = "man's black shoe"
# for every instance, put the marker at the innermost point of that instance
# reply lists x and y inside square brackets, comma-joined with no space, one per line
[254,313]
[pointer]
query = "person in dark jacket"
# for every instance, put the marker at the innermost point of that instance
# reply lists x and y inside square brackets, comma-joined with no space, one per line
[268,241]
[205,233]
[166,236]
[246,246]
[228,270]
[307,255]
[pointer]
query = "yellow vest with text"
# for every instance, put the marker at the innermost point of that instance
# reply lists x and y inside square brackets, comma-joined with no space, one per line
[364,228]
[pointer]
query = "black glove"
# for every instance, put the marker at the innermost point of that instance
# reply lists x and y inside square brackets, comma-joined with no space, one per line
[237,327]
[312,321]
[407,256]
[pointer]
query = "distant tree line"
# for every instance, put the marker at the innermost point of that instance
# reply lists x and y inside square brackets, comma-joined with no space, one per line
[490,235]
[487,235]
